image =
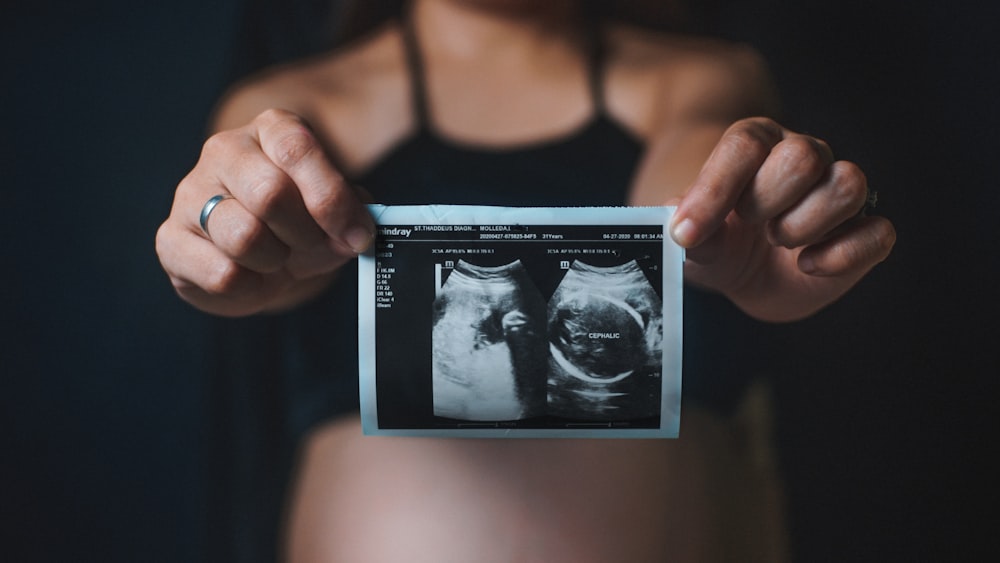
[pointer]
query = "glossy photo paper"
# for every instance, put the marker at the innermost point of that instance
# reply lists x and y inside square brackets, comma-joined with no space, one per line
[521,322]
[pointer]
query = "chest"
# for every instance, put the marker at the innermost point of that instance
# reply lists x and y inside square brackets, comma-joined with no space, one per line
[593,166]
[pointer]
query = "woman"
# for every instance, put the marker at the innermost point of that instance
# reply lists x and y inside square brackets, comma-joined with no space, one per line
[517,103]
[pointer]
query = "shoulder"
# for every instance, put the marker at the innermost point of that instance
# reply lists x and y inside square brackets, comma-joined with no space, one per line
[311,87]
[681,78]
[354,98]
[680,93]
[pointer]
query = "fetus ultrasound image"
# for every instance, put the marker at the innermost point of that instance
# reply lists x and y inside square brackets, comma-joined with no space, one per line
[592,353]
[489,345]
[605,328]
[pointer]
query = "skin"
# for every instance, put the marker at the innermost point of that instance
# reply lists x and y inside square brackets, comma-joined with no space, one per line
[769,217]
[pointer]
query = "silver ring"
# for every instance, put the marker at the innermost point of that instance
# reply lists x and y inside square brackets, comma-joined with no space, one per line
[207,209]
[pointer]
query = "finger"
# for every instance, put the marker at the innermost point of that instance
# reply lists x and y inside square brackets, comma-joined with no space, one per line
[263,189]
[729,169]
[835,200]
[234,230]
[793,167]
[205,277]
[854,249]
[332,204]
[241,236]
[711,249]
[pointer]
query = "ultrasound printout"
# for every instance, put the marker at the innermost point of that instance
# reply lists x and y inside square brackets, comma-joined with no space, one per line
[521,322]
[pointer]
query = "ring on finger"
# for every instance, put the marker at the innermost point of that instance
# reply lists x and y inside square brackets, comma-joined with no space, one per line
[206,210]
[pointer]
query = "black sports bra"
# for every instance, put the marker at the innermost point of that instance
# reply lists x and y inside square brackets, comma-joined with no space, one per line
[593,165]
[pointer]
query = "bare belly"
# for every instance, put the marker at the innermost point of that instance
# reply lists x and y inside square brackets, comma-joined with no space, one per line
[374,499]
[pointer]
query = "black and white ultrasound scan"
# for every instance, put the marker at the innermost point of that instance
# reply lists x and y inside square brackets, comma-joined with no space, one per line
[521,322]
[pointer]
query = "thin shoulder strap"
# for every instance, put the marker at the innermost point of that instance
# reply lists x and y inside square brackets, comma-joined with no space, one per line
[415,68]
[418,91]
[596,54]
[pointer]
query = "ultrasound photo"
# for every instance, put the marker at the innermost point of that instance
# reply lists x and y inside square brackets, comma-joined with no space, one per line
[593,354]
[511,322]
[489,344]
[605,328]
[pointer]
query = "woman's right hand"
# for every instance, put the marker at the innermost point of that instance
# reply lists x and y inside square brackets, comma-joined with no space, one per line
[290,223]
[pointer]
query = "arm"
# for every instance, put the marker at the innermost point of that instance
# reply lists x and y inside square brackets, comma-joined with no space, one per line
[769,217]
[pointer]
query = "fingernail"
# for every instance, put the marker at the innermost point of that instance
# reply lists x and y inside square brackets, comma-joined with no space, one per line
[358,238]
[683,233]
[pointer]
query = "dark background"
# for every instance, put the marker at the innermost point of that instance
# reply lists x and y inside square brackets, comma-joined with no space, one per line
[886,401]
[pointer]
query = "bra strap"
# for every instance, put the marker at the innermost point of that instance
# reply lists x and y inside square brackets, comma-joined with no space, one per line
[596,54]
[415,67]
[594,44]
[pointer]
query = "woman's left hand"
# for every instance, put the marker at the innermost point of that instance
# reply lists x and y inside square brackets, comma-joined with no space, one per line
[776,224]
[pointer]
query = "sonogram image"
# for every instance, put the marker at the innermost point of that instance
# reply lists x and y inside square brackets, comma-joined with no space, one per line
[605,328]
[489,345]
